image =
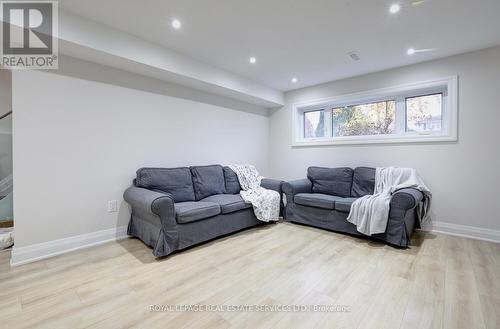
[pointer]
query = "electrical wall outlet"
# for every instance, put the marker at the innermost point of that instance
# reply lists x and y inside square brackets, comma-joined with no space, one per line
[112,206]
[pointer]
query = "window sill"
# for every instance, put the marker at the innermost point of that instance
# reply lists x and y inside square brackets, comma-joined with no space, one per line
[363,140]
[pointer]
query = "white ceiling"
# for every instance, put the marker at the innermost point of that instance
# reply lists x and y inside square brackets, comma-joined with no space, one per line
[307,39]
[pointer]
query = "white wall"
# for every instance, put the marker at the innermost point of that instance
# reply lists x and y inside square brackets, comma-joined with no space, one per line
[78,143]
[464,176]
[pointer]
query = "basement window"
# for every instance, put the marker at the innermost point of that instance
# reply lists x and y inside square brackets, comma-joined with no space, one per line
[420,112]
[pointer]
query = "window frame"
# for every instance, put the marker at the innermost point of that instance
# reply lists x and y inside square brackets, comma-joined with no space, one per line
[449,131]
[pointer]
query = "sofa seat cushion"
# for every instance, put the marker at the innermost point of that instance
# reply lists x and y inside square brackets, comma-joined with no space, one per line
[192,211]
[208,180]
[228,202]
[316,200]
[333,181]
[344,204]
[174,181]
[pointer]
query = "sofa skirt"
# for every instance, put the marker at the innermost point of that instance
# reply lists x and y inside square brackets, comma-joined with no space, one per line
[190,234]
[398,231]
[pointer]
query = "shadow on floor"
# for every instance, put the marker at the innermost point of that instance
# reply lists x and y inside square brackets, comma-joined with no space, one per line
[144,253]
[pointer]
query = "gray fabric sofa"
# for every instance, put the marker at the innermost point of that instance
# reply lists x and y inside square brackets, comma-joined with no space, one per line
[175,208]
[324,200]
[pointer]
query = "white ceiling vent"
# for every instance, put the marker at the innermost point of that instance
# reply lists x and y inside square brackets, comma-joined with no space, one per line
[354,56]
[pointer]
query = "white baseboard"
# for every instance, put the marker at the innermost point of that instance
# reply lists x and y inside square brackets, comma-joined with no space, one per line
[32,253]
[465,231]
[28,254]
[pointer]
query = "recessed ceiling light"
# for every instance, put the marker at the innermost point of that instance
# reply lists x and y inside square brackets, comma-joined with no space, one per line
[176,24]
[253,60]
[413,51]
[395,8]
[294,80]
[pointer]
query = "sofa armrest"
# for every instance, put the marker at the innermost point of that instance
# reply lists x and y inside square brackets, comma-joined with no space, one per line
[294,187]
[275,185]
[407,198]
[404,200]
[271,184]
[151,203]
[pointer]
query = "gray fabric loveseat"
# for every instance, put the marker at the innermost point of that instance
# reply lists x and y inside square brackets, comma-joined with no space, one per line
[324,200]
[174,208]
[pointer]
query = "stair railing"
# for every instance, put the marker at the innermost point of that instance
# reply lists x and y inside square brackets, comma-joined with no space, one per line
[5,115]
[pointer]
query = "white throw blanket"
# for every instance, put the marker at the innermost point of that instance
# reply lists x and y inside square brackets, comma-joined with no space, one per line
[6,237]
[266,203]
[371,212]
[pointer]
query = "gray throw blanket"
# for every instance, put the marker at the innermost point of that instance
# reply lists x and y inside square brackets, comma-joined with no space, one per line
[371,212]
[266,203]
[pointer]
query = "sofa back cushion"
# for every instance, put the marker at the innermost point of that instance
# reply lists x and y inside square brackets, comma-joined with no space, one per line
[232,182]
[175,181]
[208,180]
[363,182]
[333,181]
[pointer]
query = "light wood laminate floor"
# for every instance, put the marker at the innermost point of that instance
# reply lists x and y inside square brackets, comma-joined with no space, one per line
[440,282]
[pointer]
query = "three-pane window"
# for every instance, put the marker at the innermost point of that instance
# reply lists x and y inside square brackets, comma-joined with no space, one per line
[418,112]
[422,114]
